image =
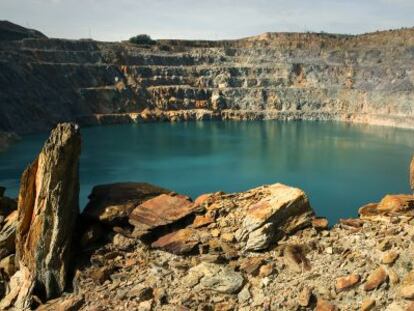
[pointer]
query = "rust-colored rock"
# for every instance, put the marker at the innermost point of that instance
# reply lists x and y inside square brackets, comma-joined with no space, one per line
[324,305]
[160,211]
[202,220]
[368,304]
[282,211]
[346,282]
[47,212]
[375,279]
[251,265]
[179,242]
[390,205]
[112,203]
[320,223]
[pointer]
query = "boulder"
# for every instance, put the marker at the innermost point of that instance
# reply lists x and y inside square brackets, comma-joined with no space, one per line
[112,203]
[401,205]
[47,212]
[210,276]
[283,210]
[159,212]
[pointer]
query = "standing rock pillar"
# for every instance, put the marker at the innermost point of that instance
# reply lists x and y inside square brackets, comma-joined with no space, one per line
[47,210]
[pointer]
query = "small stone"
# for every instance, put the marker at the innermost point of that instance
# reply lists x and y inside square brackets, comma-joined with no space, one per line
[179,242]
[251,265]
[385,245]
[407,291]
[202,220]
[320,223]
[266,270]
[394,278]
[390,257]
[228,237]
[375,279]
[215,233]
[346,282]
[410,307]
[244,295]
[329,250]
[368,304]
[323,305]
[305,297]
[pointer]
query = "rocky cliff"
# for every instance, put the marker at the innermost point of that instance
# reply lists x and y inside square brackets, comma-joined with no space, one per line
[366,78]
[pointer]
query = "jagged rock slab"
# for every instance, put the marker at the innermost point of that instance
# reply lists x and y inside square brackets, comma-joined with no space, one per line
[112,203]
[160,211]
[282,211]
[47,212]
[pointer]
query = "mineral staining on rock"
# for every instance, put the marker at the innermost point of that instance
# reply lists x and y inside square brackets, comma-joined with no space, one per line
[47,213]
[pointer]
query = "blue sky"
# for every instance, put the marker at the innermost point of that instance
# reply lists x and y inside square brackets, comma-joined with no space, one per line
[113,20]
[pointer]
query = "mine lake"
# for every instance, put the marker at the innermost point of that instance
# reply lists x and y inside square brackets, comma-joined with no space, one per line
[340,166]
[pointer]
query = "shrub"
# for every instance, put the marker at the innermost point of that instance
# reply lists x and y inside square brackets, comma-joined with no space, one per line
[142,39]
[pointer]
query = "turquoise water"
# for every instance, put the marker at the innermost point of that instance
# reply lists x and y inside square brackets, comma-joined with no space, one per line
[340,166]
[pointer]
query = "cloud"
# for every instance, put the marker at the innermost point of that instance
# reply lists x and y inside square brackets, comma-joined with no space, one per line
[207,19]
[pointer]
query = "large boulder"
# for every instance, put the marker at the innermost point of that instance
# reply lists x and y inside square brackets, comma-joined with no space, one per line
[281,211]
[47,213]
[111,204]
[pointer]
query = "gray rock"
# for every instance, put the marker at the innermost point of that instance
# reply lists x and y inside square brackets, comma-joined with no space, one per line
[214,277]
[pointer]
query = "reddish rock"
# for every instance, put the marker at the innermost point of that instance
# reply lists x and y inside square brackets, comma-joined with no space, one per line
[251,265]
[352,222]
[346,282]
[320,223]
[202,220]
[203,199]
[179,242]
[368,304]
[390,205]
[324,305]
[160,211]
[112,203]
[375,279]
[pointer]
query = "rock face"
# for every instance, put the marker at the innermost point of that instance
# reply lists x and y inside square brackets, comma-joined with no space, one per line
[47,212]
[363,78]
[112,204]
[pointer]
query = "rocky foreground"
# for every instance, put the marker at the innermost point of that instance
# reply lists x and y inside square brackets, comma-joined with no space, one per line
[141,247]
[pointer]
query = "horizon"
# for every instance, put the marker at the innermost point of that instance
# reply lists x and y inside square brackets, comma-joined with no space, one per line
[209,20]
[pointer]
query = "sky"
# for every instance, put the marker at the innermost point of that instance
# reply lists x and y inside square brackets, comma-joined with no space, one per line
[114,20]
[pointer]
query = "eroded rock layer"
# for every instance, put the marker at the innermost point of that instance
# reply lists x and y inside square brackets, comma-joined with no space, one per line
[366,78]
[47,211]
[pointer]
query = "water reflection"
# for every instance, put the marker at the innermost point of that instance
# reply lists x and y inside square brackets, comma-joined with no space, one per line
[340,166]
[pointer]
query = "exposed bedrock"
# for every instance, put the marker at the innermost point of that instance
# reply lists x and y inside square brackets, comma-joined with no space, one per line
[46,218]
[366,78]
